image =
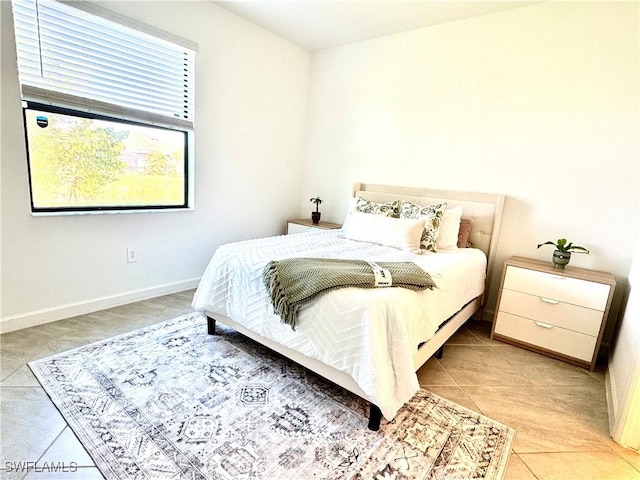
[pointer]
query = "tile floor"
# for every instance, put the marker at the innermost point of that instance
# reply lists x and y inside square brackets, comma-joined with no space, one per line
[559,411]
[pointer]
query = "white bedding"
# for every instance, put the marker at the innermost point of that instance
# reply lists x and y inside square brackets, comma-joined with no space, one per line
[371,334]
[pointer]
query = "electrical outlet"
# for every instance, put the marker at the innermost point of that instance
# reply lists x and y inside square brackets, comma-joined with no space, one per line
[132,254]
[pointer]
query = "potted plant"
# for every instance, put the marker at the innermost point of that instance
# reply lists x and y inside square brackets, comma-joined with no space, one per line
[562,253]
[315,216]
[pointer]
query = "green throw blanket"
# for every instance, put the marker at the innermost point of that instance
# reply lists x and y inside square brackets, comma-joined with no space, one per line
[296,282]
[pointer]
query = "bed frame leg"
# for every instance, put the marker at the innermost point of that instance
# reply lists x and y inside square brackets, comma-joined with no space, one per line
[211,326]
[439,353]
[375,416]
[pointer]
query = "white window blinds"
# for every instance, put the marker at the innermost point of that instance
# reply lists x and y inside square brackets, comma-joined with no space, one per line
[68,57]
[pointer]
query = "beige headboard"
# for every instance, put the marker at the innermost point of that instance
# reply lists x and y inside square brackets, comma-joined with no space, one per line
[485,209]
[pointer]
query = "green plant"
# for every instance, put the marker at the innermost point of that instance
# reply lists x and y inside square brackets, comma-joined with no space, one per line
[317,201]
[562,246]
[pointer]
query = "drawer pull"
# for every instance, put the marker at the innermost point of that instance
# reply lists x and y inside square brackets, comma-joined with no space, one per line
[548,300]
[544,325]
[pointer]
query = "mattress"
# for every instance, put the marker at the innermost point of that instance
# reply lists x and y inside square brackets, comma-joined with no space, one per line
[370,334]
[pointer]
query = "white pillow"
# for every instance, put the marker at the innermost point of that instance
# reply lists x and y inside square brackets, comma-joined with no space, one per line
[399,233]
[449,228]
[351,207]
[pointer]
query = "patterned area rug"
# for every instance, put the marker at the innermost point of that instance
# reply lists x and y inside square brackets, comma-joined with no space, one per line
[172,402]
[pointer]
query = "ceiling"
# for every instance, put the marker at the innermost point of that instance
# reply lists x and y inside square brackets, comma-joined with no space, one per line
[318,24]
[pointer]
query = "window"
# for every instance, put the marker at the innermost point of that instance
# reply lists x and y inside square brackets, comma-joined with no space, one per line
[80,161]
[108,111]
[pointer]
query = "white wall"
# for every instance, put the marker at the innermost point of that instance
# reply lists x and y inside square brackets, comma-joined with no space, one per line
[623,376]
[539,103]
[251,97]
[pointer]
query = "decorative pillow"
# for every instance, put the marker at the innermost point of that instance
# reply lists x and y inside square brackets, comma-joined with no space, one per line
[393,232]
[432,217]
[391,209]
[449,228]
[465,231]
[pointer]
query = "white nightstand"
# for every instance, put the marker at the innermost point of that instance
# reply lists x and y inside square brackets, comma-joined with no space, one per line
[560,313]
[304,225]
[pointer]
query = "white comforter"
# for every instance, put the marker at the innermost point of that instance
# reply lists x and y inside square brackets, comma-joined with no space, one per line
[371,334]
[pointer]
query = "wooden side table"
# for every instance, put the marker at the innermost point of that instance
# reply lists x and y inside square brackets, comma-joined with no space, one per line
[304,225]
[559,313]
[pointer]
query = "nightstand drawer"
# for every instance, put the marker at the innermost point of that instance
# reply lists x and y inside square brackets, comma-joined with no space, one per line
[549,337]
[297,228]
[557,287]
[565,315]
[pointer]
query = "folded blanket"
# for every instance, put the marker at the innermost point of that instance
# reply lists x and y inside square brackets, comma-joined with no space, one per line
[296,282]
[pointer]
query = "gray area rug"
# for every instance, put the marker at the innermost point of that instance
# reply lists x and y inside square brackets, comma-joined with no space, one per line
[172,402]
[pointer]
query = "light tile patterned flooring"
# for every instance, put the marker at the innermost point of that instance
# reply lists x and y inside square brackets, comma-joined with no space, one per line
[559,411]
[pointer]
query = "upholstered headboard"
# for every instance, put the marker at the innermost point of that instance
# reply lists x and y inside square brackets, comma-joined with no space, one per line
[484,209]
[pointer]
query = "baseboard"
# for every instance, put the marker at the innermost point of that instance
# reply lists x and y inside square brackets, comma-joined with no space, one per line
[47,315]
[487,315]
[612,397]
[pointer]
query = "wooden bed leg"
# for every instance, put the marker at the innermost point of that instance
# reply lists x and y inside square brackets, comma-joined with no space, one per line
[439,353]
[375,415]
[211,326]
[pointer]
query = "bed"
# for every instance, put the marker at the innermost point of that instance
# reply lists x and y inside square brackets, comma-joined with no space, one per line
[368,341]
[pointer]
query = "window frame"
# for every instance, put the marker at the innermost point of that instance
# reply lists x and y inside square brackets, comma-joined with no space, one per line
[187,160]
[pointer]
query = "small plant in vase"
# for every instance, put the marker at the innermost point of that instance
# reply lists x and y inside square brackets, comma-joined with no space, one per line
[315,216]
[562,253]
